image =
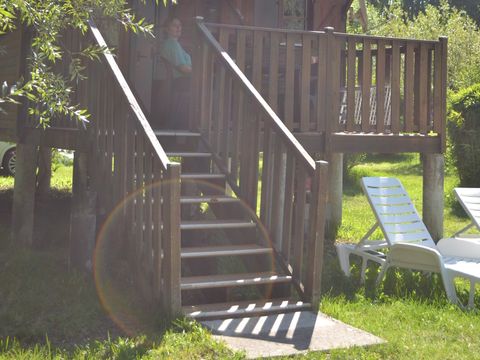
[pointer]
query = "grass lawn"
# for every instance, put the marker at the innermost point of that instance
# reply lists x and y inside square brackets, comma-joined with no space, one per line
[47,312]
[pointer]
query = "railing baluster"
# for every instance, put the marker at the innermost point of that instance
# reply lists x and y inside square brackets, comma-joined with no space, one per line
[437,88]
[423,92]
[273,75]
[157,231]
[366,84]
[288,207]
[266,177]
[227,117]
[148,245]
[380,115]
[239,106]
[289,81]
[219,108]
[321,82]
[139,200]
[206,78]
[351,83]
[277,195]
[430,89]
[409,87]
[395,127]
[305,83]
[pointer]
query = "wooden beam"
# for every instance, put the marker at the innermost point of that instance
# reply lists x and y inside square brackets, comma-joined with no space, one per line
[387,144]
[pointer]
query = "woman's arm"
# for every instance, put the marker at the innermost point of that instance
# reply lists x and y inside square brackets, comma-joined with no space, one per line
[184,69]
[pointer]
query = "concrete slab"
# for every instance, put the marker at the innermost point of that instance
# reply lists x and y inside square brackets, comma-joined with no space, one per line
[288,334]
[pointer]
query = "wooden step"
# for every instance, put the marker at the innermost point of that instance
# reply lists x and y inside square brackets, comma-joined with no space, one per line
[192,154]
[207,199]
[216,281]
[201,176]
[244,309]
[216,224]
[226,250]
[185,133]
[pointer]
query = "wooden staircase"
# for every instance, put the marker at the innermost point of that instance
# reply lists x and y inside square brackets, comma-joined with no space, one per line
[228,269]
[189,219]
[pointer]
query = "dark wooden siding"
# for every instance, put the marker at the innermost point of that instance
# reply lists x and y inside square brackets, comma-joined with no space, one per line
[10,69]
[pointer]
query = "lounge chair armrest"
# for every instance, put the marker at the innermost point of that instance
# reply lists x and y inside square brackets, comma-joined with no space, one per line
[460,247]
[415,257]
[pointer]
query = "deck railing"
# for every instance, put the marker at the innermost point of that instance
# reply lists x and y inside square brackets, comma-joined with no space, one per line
[329,82]
[137,187]
[232,115]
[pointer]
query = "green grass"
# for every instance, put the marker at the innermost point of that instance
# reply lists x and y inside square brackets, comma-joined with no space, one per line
[413,329]
[48,312]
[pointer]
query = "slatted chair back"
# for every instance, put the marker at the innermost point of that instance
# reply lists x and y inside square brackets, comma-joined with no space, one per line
[395,212]
[469,198]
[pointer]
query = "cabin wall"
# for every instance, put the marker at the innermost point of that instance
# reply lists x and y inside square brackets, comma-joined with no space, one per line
[330,13]
[10,72]
[266,13]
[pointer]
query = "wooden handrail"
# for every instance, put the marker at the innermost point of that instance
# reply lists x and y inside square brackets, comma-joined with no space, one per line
[385,38]
[271,117]
[257,28]
[309,32]
[131,100]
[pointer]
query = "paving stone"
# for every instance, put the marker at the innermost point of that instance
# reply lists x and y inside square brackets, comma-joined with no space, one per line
[288,334]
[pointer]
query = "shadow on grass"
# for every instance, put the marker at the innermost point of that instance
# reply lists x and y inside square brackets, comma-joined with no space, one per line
[385,165]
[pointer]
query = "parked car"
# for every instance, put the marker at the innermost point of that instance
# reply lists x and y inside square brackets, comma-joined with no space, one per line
[8,157]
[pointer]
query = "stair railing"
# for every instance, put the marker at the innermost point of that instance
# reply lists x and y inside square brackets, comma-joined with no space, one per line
[265,165]
[138,187]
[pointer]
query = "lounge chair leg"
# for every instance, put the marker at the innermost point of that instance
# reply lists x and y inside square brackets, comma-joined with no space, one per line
[471,297]
[380,276]
[344,258]
[364,269]
[449,285]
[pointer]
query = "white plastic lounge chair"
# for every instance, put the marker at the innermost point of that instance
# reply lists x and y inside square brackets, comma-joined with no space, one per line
[469,198]
[411,245]
[396,216]
[448,259]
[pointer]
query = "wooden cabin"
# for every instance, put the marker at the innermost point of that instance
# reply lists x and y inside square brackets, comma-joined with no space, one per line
[277,97]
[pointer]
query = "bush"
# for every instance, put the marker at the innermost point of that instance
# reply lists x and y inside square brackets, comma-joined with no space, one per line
[464,132]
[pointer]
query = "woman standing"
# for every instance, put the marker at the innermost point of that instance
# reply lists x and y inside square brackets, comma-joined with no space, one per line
[180,63]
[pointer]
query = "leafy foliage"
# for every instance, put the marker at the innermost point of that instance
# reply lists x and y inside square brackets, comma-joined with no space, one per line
[414,7]
[464,130]
[435,21]
[50,92]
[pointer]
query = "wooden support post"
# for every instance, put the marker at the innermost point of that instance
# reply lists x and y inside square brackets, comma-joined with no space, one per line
[335,187]
[24,194]
[433,180]
[82,218]
[44,171]
[317,233]
[173,295]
